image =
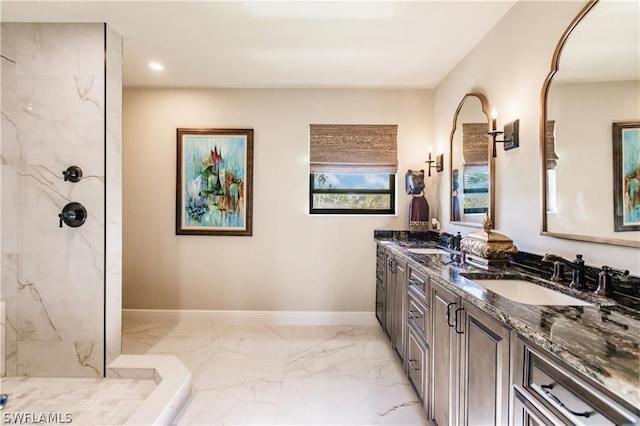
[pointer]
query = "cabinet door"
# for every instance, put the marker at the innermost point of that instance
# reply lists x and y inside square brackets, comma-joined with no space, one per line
[389,296]
[400,308]
[380,284]
[417,363]
[445,349]
[484,383]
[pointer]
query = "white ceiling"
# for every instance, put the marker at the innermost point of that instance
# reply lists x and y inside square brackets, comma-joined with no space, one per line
[265,44]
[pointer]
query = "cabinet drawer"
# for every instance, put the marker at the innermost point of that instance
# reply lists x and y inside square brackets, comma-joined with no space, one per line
[418,316]
[419,283]
[566,396]
[417,362]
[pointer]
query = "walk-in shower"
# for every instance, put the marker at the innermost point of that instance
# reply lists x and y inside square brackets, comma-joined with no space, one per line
[61,199]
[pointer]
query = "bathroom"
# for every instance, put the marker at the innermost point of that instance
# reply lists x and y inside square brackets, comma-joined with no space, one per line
[298,267]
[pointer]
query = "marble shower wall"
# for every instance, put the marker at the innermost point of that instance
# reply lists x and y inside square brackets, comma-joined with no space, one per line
[53,279]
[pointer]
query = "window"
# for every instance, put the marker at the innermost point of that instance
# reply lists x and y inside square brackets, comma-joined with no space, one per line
[476,189]
[352,169]
[356,193]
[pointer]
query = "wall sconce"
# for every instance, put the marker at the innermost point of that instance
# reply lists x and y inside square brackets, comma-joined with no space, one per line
[510,132]
[439,163]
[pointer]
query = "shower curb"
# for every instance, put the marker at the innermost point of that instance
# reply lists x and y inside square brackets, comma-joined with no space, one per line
[166,400]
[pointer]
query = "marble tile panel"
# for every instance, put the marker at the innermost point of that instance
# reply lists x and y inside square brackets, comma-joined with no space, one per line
[3,325]
[11,358]
[182,345]
[60,359]
[396,403]
[8,48]
[238,359]
[113,174]
[350,333]
[60,298]
[43,194]
[10,213]
[9,293]
[59,49]
[10,145]
[203,329]
[246,402]
[381,362]
[330,359]
[325,401]
[261,332]
[60,120]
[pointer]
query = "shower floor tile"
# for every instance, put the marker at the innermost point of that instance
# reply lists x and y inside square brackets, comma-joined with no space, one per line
[73,400]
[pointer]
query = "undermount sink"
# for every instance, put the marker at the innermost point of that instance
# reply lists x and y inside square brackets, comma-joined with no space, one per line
[522,291]
[427,251]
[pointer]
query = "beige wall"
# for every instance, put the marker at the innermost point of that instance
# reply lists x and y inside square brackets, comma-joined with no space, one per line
[509,66]
[293,261]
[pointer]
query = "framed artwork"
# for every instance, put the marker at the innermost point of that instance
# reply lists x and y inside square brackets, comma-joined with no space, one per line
[626,176]
[214,185]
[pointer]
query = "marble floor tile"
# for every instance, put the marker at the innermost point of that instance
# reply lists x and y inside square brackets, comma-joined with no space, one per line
[326,401]
[284,375]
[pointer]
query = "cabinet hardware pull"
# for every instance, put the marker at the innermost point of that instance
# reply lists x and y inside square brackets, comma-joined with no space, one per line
[561,404]
[411,365]
[455,315]
[449,314]
[414,317]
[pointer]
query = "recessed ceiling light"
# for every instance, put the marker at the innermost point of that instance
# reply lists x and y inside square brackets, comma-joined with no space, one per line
[156,66]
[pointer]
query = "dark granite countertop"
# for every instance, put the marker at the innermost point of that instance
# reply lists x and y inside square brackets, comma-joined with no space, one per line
[601,341]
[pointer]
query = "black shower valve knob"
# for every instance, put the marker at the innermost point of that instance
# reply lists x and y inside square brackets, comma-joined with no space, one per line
[72,174]
[73,215]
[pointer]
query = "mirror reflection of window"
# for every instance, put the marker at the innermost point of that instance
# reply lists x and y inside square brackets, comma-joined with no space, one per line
[476,189]
[552,162]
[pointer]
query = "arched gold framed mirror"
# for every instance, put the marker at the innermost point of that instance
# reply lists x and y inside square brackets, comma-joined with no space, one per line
[592,89]
[471,168]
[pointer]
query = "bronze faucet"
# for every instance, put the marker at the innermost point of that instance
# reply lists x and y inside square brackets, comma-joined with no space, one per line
[604,280]
[577,269]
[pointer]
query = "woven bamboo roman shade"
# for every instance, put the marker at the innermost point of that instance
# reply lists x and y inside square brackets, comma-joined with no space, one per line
[475,144]
[353,148]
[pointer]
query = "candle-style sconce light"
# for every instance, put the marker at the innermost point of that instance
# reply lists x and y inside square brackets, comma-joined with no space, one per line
[439,163]
[510,133]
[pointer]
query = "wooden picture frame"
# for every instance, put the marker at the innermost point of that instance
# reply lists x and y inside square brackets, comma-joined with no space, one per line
[626,176]
[214,182]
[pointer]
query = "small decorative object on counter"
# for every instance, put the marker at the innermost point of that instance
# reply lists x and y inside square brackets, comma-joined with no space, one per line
[418,206]
[487,248]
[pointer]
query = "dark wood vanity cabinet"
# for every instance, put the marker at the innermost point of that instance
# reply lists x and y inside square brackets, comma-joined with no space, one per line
[446,354]
[470,369]
[380,285]
[400,307]
[545,391]
[391,300]
[418,325]
[484,368]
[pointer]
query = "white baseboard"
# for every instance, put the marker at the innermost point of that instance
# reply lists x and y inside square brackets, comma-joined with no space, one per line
[250,317]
